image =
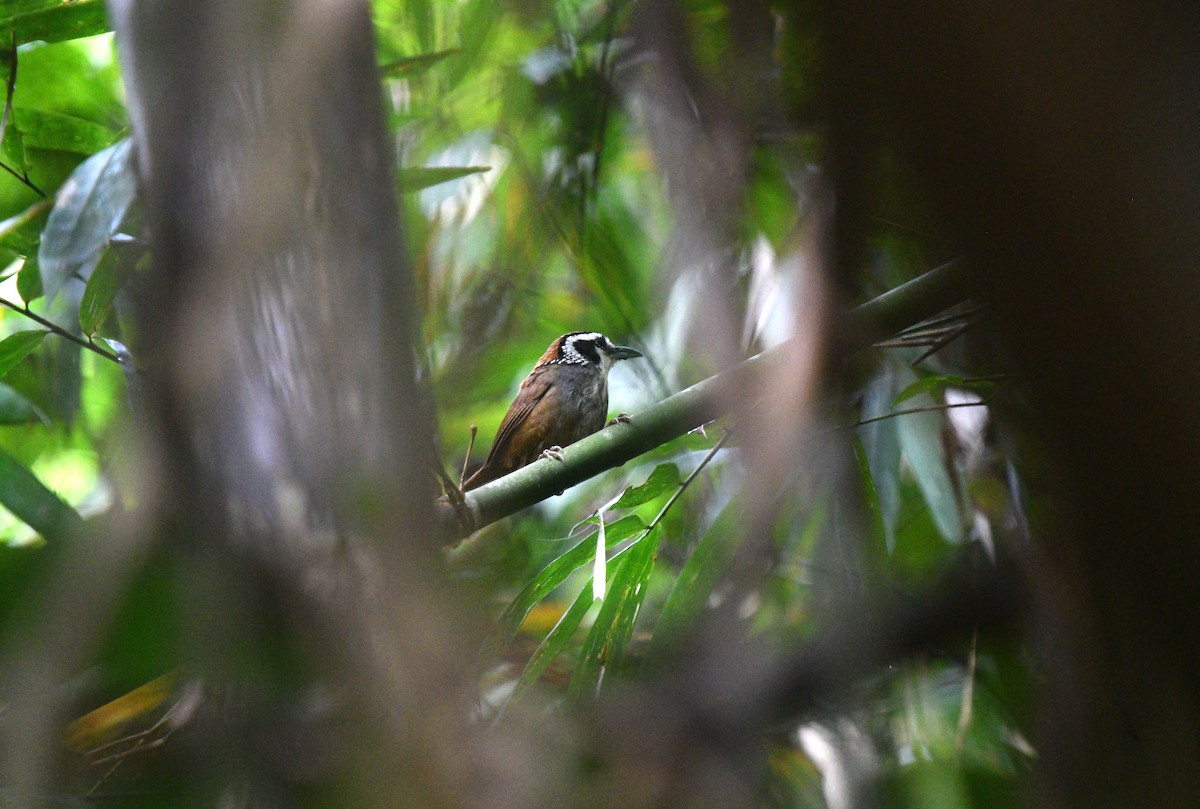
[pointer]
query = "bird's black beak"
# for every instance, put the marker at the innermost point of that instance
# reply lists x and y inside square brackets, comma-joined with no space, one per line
[624,353]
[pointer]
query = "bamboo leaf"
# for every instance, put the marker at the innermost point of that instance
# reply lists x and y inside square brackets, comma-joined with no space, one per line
[17,346]
[29,279]
[604,649]
[699,577]
[665,478]
[557,571]
[27,498]
[414,65]
[920,439]
[553,644]
[415,179]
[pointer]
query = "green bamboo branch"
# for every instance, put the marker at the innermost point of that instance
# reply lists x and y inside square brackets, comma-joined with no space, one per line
[903,306]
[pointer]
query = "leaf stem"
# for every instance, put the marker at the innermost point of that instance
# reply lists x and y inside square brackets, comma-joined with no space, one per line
[60,331]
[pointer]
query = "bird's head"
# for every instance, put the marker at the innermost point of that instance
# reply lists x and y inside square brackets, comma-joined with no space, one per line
[586,348]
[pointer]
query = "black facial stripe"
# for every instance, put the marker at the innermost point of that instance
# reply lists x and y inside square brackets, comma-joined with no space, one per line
[588,349]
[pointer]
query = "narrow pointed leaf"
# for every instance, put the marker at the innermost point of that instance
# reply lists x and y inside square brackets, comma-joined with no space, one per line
[553,644]
[604,649]
[417,178]
[27,498]
[414,65]
[921,439]
[557,571]
[58,131]
[29,280]
[699,577]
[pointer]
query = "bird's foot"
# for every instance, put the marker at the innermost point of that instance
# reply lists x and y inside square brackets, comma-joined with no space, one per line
[554,452]
[620,418]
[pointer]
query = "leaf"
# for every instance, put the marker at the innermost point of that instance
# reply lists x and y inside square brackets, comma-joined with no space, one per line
[870,494]
[920,439]
[415,179]
[557,571]
[16,409]
[699,577]
[61,132]
[21,232]
[665,478]
[101,291]
[27,498]
[414,65]
[604,649]
[552,645]
[29,280]
[88,210]
[15,347]
[59,22]
[882,447]
[927,384]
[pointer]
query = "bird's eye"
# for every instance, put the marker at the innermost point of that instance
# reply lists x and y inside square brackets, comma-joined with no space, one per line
[587,348]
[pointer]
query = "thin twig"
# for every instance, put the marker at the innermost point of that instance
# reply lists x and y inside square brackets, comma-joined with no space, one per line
[968,696]
[929,409]
[467,460]
[59,330]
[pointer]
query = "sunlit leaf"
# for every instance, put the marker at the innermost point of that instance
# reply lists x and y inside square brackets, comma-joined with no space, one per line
[16,347]
[927,384]
[27,498]
[418,178]
[604,648]
[557,571]
[665,478]
[88,210]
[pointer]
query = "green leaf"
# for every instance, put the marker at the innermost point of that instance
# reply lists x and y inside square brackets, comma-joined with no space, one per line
[415,179]
[927,384]
[604,649]
[65,133]
[665,478]
[699,577]
[870,495]
[29,279]
[15,347]
[553,644]
[557,571]
[20,233]
[414,65]
[27,498]
[88,210]
[59,22]
[16,409]
[102,288]
[921,439]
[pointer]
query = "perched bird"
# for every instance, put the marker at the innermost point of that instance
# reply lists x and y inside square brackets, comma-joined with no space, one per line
[564,398]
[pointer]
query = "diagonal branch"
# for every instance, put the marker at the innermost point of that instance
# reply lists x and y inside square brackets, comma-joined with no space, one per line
[903,306]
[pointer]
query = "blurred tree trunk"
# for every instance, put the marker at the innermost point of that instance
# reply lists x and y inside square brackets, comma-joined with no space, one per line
[290,438]
[1060,142]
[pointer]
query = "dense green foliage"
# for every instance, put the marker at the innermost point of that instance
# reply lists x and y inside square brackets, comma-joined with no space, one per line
[534,204]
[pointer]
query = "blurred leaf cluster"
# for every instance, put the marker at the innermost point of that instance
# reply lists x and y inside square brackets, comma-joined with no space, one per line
[533,206]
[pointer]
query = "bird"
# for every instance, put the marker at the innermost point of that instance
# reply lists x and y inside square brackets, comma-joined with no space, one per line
[564,398]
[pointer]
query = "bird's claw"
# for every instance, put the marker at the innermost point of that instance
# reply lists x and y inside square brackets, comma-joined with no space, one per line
[620,418]
[554,452]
